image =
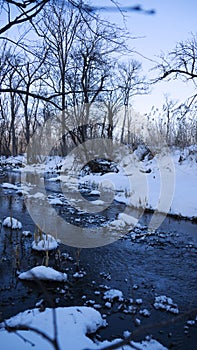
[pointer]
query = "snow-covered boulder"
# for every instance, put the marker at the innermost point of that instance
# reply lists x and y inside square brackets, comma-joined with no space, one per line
[43,273]
[112,294]
[12,223]
[74,323]
[128,219]
[45,242]
[9,186]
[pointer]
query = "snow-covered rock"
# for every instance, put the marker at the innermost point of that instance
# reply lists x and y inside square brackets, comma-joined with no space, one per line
[9,186]
[45,242]
[129,220]
[27,233]
[163,302]
[112,294]
[37,195]
[73,324]
[79,274]
[43,273]
[144,313]
[12,223]
[95,193]
[98,202]
[55,201]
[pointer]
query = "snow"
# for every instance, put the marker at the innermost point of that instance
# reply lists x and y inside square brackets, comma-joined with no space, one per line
[137,322]
[13,161]
[21,189]
[123,220]
[45,242]
[162,302]
[112,294]
[95,193]
[167,183]
[79,274]
[191,322]
[147,345]
[98,202]
[129,220]
[26,233]
[163,183]
[9,186]
[37,195]
[53,179]
[43,273]
[12,223]
[118,223]
[55,201]
[108,305]
[74,324]
[145,313]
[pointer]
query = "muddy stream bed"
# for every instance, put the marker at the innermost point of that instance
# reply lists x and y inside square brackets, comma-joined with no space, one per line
[142,265]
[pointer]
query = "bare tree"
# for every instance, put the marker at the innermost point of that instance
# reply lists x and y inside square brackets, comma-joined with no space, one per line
[31,74]
[181,63]
[58,30]
[130,84]
[88,79]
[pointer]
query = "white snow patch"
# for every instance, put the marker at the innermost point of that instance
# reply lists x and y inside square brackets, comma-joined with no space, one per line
[118,223]
[45,242]
[26,233]
[95,193]
[112,294]
[98,202]
[147,345]
[38,195]
[108,305]
[43,273]
[163,302]
[155,193]
[55,201]
[145,313]
[79,274]
[54,179]
[9,186]
[129,220]
[73,324]
[12,223]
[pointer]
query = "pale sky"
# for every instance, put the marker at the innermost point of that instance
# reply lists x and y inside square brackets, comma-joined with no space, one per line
[173,22]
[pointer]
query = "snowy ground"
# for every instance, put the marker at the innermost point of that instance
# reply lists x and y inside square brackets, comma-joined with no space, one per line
[168,185]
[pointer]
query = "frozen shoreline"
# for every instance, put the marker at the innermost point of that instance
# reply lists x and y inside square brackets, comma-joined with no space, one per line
[164,184]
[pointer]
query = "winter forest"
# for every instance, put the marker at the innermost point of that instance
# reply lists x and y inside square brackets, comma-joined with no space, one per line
[98,206]
[66,57]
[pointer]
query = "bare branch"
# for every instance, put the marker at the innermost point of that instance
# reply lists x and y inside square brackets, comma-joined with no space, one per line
[180,62]
[26,15]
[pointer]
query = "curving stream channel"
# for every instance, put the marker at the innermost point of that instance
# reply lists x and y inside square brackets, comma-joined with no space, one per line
[143,265]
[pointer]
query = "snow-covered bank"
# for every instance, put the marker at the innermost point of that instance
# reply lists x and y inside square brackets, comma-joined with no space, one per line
[166,183]
[73,326]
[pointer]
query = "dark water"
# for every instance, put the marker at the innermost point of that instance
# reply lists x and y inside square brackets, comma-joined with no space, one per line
[142,265]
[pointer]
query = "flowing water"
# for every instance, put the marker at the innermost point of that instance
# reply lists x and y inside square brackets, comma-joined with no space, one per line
[142,265]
